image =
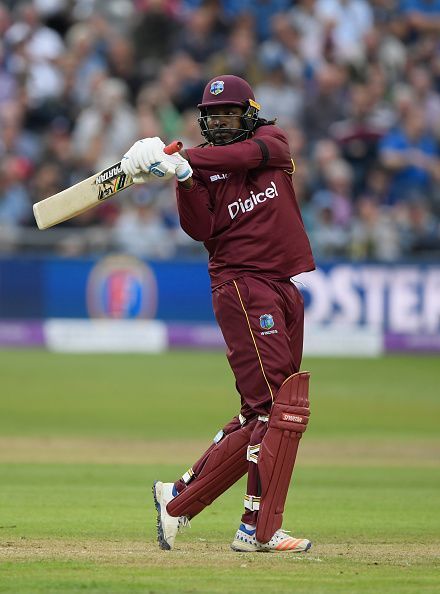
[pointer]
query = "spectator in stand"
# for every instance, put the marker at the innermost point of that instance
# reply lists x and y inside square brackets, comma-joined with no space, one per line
[188,81]
[378,89]
[122,65]
[201,39]
[78,81]
[238,57]
[332,212]
[15,139]
[88,63]
[159,26]
[156,113]
[283,47]
[15,204]
[140,230]
[106,128]
[377,188]
[278,98]
[5,19]
[374,234]
[297,142]
[337,194]
[419,229]
[403,100]
[422,84]
[359,134]
[421,18]
[324,153]
[383,46]
[410,153]
[324,105]
[328,238]
[347,23]
[46,181]
[36,51]
[260,12]
[304,18]
[8,83]
[190,131]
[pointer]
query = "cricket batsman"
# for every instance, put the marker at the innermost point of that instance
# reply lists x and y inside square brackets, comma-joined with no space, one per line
[235,194]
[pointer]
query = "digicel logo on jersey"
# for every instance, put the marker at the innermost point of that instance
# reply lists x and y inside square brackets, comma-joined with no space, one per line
[254,199]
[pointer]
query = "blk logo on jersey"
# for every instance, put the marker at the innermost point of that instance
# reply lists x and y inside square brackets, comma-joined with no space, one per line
[254,200]
[219,176]
[217,87]
[267,323]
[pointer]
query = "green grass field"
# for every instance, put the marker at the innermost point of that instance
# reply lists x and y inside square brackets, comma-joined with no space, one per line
[83,437]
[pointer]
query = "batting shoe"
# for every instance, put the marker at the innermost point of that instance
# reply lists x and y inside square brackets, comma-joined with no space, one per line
[245,542]
[167,526]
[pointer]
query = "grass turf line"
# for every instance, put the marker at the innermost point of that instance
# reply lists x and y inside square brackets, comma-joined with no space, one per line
[70,527]
[183,395]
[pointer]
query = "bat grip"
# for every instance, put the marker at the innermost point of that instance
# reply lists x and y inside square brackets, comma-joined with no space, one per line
[173,147]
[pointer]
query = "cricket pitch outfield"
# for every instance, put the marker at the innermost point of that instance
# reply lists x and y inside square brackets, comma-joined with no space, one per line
[83,437]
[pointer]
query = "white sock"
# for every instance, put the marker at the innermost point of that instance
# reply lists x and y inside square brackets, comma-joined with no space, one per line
[249,526]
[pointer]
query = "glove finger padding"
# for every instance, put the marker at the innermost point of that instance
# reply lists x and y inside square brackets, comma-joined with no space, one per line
[150,151]
[142,155]
[182,168]
[163,170]
[128,165]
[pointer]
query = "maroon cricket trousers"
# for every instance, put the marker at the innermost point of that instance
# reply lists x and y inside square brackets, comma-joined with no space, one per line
[262,323]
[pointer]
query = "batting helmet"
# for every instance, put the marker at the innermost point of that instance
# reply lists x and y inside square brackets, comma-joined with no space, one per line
[228,89]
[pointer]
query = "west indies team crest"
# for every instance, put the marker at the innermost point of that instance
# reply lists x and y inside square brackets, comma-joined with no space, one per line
[266,321]
[217,87]
[121,287]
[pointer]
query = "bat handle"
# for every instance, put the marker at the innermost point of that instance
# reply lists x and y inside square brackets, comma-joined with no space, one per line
[173,147]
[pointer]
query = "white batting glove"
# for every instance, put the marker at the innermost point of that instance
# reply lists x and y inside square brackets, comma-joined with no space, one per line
[163,170]
[183,169]
[146,157]
[140,156]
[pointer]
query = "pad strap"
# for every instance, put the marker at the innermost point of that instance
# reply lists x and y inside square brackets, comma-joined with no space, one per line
[188,476]
[252,453]
[252,502]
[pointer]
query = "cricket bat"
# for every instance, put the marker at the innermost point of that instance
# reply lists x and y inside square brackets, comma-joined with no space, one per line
[86,194]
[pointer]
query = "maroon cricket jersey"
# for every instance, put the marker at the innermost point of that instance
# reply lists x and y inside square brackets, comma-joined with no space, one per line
[242,205]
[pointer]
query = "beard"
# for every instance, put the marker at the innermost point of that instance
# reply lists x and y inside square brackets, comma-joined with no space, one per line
[225,135]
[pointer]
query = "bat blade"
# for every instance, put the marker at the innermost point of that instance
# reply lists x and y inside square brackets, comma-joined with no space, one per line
[81,197]
[86,194]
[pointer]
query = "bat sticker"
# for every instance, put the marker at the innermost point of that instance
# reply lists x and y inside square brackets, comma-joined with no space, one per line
[109,174]
[110,186]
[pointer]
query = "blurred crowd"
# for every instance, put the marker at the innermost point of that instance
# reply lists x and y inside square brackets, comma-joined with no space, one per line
[355,85]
